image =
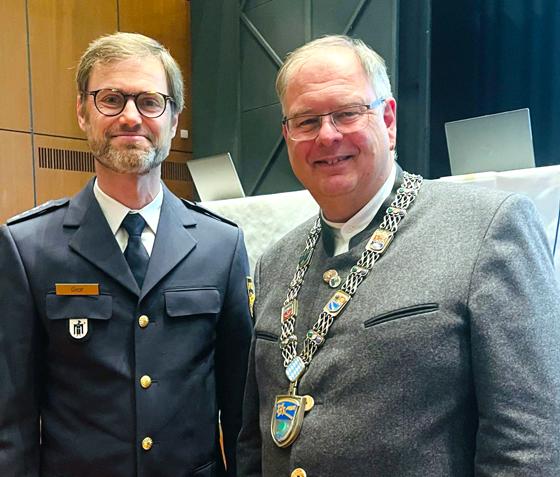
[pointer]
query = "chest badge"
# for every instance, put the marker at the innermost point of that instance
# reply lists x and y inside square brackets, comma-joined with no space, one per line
[251,295]
[78,328]
[287,419]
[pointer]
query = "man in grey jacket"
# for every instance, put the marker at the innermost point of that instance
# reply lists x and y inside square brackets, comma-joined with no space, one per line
[413,328]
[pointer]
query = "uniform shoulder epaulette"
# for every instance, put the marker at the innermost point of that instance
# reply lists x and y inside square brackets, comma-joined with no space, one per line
[39,210]
[198,208]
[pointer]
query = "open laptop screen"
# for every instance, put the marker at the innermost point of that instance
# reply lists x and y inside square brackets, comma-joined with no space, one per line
[215,178]
[496,142]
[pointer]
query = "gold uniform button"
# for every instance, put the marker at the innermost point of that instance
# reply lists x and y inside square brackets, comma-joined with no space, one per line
[143,321]
[145,381]
[299,472]
[147,443]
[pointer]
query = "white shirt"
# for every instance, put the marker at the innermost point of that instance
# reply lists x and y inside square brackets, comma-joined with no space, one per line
[343,232]
[115,212]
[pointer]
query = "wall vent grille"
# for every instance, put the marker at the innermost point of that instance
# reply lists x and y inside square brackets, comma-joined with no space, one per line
[65,159]
[175,171]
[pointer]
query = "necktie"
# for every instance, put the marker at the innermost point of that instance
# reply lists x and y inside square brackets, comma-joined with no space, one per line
[135,252]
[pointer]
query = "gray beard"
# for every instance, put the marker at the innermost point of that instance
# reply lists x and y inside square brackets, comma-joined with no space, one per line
[129,161]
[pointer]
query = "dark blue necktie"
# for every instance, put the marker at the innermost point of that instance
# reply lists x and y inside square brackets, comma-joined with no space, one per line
[135,252]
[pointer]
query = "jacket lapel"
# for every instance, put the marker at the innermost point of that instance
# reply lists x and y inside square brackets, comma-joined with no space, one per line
[94,240]
[173,242]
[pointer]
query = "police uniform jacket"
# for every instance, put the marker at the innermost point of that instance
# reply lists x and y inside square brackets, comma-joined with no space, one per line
[140,393]
[444,363]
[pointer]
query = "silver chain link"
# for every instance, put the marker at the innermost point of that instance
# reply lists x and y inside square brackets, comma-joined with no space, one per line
[395,213]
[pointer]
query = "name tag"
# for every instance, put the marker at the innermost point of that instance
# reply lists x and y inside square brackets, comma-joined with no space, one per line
[77,288]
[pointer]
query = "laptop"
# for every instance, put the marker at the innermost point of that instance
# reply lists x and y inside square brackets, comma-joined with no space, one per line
[215,178]
[496,142]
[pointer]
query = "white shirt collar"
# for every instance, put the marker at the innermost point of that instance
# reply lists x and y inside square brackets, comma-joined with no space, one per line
[344,231]
[115,212]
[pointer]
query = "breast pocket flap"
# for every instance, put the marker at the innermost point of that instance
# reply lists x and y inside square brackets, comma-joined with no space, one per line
[200,301]
[96,307]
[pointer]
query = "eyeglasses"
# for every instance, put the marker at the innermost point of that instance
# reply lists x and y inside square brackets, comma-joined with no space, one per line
[306,127]
[111,102]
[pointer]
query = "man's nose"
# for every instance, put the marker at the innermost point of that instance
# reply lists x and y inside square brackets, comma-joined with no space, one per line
[130,114]
[328,132]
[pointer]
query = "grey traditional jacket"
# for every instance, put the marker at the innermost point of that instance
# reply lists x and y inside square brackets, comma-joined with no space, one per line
[445,363]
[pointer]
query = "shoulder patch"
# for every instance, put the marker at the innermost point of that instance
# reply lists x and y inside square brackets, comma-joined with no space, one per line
[198,208]
[39,210]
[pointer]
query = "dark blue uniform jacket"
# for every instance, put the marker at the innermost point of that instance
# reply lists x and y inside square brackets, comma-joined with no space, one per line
[75,407]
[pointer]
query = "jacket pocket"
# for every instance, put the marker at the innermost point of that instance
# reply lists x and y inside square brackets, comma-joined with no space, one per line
[95,307]
[401,313]
[206,470]
[267,336]
[194,301]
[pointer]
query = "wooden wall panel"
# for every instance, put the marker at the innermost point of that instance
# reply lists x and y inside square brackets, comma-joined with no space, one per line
[16,179]
[59,32]
[14,81]
[55,33]
[62,167]
[168,21]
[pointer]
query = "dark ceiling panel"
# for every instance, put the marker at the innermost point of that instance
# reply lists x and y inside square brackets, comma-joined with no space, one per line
[258,73]
[261,132]
[377,26]
[331,16]
[282,23]
[280,177]
[250,4]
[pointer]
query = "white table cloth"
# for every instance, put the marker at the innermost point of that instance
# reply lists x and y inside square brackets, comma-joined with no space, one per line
[266,218]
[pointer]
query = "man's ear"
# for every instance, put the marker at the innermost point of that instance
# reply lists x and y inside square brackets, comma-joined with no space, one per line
[174,124]
[81,113]
[390,120]
[285,132]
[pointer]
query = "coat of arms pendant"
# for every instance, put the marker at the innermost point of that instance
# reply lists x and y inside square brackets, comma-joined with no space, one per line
[287,417]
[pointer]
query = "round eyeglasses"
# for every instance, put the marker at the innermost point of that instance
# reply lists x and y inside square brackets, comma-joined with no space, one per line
[349,119]
[111,102]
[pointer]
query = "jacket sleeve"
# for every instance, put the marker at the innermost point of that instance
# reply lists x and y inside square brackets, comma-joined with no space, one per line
[514,305]
[19,366]
[249,444]
[232,350]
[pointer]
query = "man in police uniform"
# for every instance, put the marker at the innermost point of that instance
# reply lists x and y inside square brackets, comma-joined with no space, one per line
[418,321]
[124,316]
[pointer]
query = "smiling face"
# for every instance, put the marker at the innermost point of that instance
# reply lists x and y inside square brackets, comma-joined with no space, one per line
[341,171]
[129,142]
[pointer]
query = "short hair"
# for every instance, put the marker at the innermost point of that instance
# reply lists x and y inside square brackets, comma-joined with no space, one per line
[122,46]
[372,63]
